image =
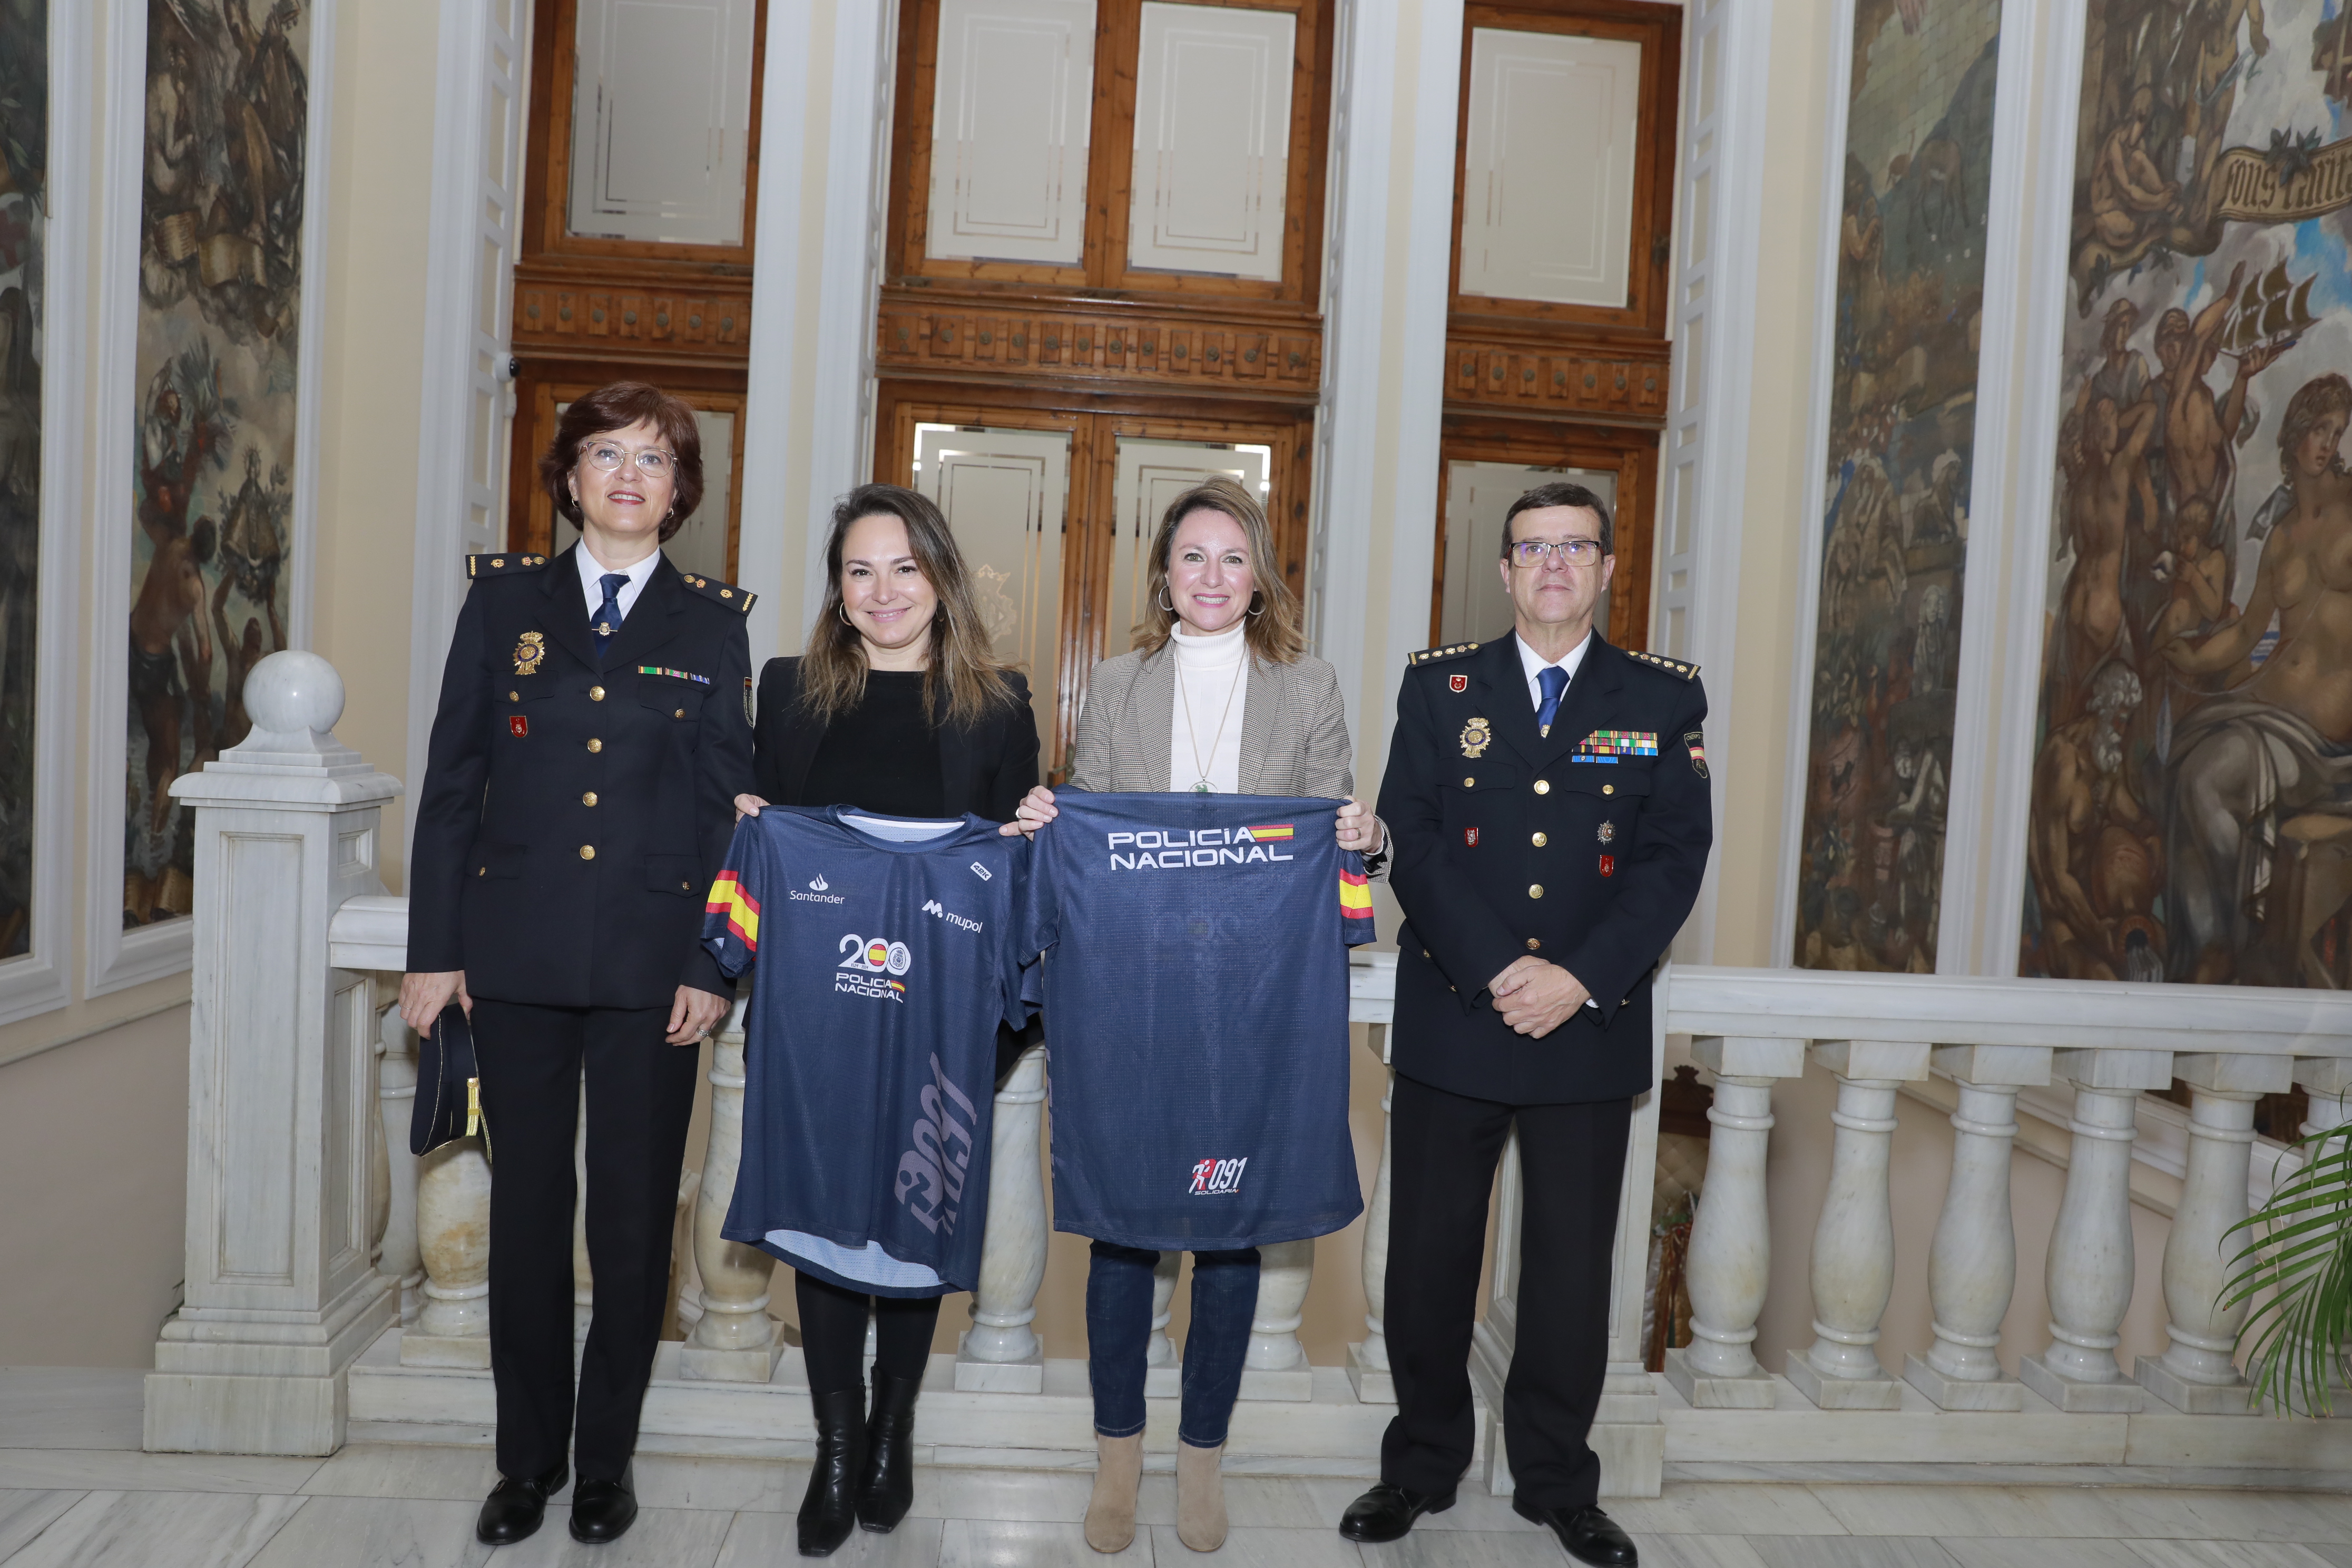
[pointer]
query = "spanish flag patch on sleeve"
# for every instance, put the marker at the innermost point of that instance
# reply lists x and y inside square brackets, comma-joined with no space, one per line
[731,899]
[1356,900]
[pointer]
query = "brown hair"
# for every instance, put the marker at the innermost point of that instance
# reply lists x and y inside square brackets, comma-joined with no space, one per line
[617,406]
[1275,628]
[1561,493]
[963,667]
[2314,401]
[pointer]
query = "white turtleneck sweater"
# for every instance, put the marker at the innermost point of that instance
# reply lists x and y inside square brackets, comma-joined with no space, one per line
[1213,684]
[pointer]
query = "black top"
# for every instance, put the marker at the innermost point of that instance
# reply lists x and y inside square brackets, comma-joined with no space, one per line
[1507,842]
[984,768]
[575,808]
[880,756]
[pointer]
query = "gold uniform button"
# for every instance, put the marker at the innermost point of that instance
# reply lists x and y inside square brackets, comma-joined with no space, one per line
[1469,784]
[595,745]
[595,694]
[1534,889]
[514,696]
[1540,840]
[679,714]
[1534,946]
[587,852]
[1608,789]
[686,886]
[483,872]
[1543,786]
[588,799]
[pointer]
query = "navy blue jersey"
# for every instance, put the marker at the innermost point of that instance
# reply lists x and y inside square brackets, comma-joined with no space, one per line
[885,958]
[1196,1016]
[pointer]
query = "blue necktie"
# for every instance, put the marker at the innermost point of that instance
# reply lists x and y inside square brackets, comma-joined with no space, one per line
[608,613]
[1554,681]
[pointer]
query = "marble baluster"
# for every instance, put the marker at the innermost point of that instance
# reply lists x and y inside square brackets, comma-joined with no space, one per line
[2326,1081]
[1368,1360]
[1163,1372]
[396,1100]
[1001,1352]
[1972,1263]
[1854,1242]
[453,1235]
[584,1280]
[2089,1269]
[1729,1262]
[1276,1366]
[2197,1372]
[735,1339]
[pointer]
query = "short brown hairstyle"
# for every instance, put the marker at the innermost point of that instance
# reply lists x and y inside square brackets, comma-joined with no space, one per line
[1561,493]
[617,406]
[1278,630]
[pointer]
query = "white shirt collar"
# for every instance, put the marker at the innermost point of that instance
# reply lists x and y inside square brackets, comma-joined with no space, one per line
[1218,649]
[591,584]
[1535,667]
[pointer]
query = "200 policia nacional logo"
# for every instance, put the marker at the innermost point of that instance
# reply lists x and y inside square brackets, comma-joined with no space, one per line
[869,968]
[1178,848]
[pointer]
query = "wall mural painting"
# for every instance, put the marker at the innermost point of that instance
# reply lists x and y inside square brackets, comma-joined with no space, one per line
[219,293]
[2192,775]
[1902,424]
[23,215]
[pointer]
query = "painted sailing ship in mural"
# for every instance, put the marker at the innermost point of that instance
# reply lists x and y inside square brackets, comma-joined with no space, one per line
[2192,779]
[1901,445]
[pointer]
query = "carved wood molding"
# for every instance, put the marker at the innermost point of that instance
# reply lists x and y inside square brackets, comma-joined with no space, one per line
[1098,342]
[571,313]
[1624,382]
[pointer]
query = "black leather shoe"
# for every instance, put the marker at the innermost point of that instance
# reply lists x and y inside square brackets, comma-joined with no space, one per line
[829,1511]
[514,1509]
[1590,1535]
[604,1511]
[1386,1513]
[887,1490]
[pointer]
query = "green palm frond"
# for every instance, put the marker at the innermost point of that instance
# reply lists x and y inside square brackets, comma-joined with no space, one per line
[2296,1269]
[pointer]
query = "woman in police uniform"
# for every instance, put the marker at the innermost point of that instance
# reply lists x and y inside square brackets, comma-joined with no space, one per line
[577,802]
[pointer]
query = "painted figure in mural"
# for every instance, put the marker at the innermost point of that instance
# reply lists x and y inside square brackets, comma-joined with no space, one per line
[2094,848]
[2280,742]
[2131,201]
[2109,471]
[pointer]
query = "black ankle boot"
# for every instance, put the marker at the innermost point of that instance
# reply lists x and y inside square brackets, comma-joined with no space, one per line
[888,1490]
[830,1509]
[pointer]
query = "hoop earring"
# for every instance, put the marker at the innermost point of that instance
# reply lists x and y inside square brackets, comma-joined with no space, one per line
[1165,607]
[842,611]
[1258,599]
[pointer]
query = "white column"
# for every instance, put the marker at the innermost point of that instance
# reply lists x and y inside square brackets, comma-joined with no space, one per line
[282,1291]
[1163,1373]
[2198,1372]
[1001,1352]
[397,1094]
[1972,1265]
[452,1233]
[1275,1367]
[2089,1270]
[1368,1360]
[1854,1242]
[1731,1234]
[735,1339]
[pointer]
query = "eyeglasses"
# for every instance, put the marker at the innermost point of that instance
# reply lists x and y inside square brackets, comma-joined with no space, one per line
[652,461]
[1573,551]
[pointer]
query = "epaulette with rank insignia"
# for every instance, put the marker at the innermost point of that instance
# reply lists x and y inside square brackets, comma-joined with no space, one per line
[1659,661]
[493,566]
[727,594]
[1431,654]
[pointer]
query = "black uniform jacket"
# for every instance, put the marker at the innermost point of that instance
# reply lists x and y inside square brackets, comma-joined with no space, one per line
[986,767]
[573,814]
[1505,846]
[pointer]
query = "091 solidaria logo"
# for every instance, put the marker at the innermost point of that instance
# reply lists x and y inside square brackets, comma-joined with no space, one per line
[1214,1177]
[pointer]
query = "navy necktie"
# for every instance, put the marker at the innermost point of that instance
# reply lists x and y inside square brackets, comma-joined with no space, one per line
[1554,681]
[608,613]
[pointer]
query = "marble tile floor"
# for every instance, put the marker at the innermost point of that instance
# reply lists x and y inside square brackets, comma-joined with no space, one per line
[76,1492]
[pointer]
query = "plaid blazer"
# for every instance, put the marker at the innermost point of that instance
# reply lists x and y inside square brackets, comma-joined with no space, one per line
[1294,726]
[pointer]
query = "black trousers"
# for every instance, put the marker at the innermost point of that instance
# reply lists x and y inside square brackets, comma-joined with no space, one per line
[640,1096]
[833,1333]
[1442,1159]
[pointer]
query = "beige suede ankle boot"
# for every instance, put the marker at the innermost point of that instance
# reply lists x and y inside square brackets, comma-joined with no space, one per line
[1110,1512]
[1199,1497]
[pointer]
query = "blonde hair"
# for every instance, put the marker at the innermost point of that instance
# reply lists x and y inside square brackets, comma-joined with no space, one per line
[962,664]
[1275,626]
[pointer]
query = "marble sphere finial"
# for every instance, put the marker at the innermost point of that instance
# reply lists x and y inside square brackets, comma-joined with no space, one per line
[292,692]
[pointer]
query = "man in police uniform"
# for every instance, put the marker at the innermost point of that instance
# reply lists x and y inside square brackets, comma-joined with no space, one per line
[1547,799]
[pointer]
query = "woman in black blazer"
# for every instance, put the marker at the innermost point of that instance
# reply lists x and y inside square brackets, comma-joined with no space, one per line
[898,708]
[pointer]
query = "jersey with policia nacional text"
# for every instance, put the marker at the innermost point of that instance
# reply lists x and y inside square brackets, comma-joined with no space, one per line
[886,957]
[1195,983]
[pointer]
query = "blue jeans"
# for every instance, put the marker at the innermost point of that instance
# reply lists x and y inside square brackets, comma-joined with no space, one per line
[1119,1335]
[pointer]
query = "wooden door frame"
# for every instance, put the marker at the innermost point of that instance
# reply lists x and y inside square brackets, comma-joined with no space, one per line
[1630,455]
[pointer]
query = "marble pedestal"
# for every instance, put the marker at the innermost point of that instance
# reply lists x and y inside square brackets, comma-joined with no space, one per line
[1704,1391]
[2077,1397]
[1880,1392]
[1960,1393]
[2192,1398]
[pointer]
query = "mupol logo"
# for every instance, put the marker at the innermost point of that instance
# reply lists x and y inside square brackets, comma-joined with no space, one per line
[869,968]
[817,893]
[938,911]
[1176,848]
[1212,1178]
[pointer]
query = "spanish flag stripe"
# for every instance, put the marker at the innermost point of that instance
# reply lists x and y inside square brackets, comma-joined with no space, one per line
[728,896]
[1355,895]
[1279,830]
